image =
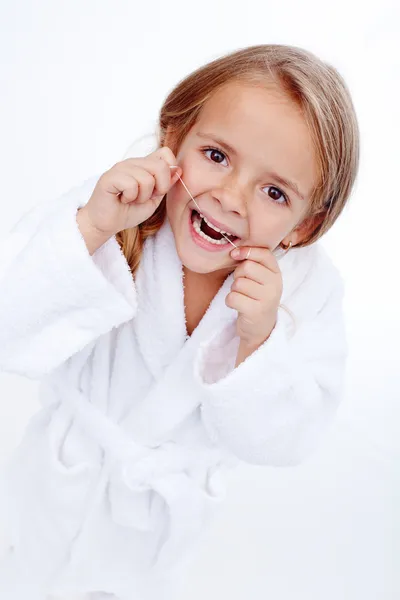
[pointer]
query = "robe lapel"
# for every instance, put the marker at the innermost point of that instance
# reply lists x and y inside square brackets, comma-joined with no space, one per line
[159,323]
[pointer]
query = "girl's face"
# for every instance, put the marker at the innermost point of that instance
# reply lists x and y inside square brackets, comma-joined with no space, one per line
[234,159]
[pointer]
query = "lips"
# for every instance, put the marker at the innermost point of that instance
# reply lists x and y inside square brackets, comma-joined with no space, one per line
[202,242]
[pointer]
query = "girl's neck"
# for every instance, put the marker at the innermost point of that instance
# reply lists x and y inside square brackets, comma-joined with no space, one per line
[199,291]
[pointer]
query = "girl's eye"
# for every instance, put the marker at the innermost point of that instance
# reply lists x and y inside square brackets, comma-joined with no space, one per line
[214,154]
[277,195]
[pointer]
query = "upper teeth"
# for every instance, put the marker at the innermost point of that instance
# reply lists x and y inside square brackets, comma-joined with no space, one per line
[213,226]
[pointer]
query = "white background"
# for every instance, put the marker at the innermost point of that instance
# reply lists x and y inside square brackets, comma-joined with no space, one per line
[79,82]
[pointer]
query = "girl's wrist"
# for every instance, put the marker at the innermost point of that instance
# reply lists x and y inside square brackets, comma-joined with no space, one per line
[93,237]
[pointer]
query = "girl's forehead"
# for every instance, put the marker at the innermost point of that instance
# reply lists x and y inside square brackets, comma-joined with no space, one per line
[238,97]
[263,128]
[256,115]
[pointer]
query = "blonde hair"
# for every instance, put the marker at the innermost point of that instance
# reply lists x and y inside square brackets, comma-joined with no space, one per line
[315,86]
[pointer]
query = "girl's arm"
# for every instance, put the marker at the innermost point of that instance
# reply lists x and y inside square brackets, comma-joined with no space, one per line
[275,407]
[55,298]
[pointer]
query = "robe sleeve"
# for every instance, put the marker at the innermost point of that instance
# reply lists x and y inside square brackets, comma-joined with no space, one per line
[274,408]
[55,298]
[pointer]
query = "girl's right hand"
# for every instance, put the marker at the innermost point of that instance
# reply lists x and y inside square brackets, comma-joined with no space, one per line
[130,192]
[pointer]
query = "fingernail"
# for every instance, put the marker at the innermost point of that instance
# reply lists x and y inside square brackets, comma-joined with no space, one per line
[177,173]
[235,253]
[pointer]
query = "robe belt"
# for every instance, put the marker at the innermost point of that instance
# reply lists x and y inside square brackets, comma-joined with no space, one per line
[150,489]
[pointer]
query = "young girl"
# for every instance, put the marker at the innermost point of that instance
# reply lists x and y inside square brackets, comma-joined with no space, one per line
[165,358]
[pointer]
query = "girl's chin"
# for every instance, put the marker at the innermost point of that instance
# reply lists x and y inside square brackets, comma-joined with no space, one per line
[199,264]
[204,266]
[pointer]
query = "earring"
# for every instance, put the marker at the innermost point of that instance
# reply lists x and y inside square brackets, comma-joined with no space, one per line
[281,250]
[286,248]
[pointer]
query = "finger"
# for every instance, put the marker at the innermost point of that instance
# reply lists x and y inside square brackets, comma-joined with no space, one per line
[147,184]
[124,173]
[121,184]
[164,177]
[252,270]
[258,254]
[166,154]
[248,287]
[175,173]
[243,304]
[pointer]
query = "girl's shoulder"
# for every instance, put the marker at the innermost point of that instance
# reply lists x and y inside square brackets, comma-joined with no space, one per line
[311,262]
[311,278]
[324,264]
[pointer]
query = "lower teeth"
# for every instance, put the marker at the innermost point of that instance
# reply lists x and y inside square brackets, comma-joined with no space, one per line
[196,225]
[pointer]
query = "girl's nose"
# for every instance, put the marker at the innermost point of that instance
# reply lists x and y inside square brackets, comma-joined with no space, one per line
[231,199]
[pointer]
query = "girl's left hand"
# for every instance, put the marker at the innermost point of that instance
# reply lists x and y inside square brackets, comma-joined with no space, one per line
[255,293]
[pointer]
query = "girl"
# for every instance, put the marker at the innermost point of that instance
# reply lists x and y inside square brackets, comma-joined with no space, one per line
[164,357]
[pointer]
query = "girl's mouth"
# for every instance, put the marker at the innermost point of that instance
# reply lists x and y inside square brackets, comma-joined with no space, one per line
[206,236]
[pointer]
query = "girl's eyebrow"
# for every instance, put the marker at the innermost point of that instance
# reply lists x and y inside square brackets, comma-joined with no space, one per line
[211,136]
[282,180]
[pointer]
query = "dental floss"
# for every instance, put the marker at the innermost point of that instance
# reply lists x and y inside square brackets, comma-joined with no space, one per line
[183,183]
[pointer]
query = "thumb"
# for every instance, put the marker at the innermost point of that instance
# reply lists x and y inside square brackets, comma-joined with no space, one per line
[176,172]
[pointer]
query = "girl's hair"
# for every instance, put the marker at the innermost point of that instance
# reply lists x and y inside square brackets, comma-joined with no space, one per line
[315,86]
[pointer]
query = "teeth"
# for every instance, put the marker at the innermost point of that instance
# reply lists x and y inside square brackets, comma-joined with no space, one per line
[213,226]
[196,226]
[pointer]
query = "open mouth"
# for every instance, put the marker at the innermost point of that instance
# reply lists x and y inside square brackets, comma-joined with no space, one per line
[207,232]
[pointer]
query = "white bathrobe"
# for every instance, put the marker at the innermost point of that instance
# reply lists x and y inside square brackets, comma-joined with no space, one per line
[122,469]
